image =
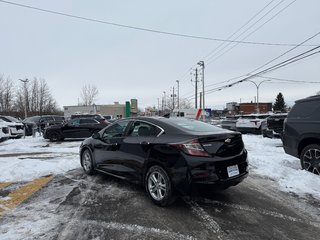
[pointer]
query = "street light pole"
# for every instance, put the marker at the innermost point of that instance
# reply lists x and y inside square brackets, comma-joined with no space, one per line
[25,81]
[172,98]
[178,94]
[257,86]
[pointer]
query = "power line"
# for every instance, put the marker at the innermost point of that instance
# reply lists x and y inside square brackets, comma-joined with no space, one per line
[287,80]
[248,35]
[308,39]
[147,29]
[294,59]
[238,30]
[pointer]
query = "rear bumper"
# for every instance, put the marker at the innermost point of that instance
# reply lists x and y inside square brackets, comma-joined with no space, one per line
[290,145]
[213,173]
[220,184]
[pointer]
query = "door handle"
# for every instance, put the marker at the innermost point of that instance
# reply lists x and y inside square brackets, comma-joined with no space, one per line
[144,143]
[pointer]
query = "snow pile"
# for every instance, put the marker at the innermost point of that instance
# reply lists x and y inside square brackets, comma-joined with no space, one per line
[267,158]
[28,158]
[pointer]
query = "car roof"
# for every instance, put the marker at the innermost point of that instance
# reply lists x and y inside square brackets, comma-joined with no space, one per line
[168,124]
[309,99]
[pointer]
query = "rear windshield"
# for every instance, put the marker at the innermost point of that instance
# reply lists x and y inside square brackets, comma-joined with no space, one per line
[192,125]
[304,109]
[97,116]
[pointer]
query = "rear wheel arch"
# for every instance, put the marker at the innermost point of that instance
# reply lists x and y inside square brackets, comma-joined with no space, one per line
[305,142]
[159,185]
[150,164]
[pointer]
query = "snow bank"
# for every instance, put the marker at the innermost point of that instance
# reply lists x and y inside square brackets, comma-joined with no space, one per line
[267,158]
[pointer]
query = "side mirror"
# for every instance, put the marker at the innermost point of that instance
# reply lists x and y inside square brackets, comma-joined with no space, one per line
[96,135]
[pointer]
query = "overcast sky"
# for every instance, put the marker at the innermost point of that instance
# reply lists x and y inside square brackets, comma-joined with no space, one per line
[126,63]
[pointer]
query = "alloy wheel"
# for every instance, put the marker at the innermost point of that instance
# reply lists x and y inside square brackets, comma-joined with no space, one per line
[86,162]
[157,185]
[311,160]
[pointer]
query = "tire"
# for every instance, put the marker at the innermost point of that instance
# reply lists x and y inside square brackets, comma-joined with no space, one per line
[54,136]
[159,187]
[310,158]
[87,162]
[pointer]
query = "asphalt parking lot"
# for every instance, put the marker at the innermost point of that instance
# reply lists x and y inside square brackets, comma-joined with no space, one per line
[76,206]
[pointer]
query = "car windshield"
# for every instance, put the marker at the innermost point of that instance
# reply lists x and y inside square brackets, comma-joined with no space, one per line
[13,119]
[192,125]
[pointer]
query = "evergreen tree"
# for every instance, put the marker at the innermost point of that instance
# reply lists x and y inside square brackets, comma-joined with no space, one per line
[279,104]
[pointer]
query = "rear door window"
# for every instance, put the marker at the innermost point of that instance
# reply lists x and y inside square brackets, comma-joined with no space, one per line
[143,129]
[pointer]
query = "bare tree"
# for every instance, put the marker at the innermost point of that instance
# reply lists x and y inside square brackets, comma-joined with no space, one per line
[37,97]
[6,94]
[88,94]
[184,103]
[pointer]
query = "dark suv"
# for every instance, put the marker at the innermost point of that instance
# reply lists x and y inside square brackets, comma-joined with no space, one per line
[301,133]
[273,127]
[38,123]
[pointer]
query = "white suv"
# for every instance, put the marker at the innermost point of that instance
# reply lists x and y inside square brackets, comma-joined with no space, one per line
[16,127]
[4,131]
[251,123]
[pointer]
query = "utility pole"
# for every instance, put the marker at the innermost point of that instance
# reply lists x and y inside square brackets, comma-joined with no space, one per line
[178,94]
[201,96]
[196,90]
[158,108]
[25,81]
[201,64]
[165,100]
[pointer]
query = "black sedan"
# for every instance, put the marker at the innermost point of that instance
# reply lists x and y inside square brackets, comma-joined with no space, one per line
[167,155]
[76,128]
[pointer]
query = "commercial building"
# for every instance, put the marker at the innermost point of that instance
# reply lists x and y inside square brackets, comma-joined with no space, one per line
[247,108]
[110,111]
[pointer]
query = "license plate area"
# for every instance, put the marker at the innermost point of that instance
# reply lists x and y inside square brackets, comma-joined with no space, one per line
[233,170]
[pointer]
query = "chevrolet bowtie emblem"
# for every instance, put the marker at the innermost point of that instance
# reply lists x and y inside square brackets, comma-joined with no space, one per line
[228,140]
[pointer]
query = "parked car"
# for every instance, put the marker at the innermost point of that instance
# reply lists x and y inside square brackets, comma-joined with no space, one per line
[251,123]
[4,131]
[301,135]
[230,123]
[75,128]
[273,127]
[167,155]
[16,127]
[38,123]
[97,117]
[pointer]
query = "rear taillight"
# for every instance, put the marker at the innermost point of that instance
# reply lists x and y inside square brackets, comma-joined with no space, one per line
[193,148]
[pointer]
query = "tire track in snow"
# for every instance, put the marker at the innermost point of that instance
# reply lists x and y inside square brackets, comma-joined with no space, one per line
[128,227]
[260,211]
[208,221]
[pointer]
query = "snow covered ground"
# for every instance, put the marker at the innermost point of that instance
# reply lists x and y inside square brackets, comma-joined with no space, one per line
[29,158]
